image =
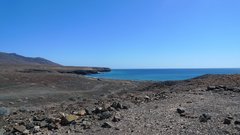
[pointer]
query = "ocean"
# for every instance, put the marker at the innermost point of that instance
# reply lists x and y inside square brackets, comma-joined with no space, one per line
[161,74]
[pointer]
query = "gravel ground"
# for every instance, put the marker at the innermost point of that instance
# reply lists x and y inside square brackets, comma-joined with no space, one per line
[204,105]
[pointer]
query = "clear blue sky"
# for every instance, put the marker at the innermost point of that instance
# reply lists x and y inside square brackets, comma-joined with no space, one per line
[124,33]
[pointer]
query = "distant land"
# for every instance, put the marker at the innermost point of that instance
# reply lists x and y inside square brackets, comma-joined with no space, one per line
[15,59]
[38,64]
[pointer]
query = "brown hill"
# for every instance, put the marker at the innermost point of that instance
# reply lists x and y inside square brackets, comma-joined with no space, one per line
[15,59]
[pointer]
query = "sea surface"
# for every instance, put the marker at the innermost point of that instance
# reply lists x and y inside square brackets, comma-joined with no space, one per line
[161,74]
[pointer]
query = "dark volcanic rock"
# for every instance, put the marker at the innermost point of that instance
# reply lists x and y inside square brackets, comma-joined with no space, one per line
[180,110]
[211,87]
[98,110]
[39,118]
[107,125]
[237,122]
[116,119]
[227,121]
[204,118]
[117,105]
[105,115]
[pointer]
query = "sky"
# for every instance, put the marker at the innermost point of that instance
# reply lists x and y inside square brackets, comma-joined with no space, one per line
[124,33]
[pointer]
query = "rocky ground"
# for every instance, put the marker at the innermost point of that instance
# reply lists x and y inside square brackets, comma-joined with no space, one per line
[205,105]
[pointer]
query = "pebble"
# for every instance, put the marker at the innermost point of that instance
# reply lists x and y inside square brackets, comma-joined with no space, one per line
[105,115]
[107,125]
[86,124]
[204,117]
[180,110]
[211,87]
[68,119]
[36,129]
[11,103]
[237,122]
[227,121]
[116,119]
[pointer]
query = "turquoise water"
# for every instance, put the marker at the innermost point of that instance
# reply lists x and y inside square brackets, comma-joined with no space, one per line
[161,74]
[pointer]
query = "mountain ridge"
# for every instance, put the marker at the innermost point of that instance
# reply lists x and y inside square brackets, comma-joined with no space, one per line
[16,59]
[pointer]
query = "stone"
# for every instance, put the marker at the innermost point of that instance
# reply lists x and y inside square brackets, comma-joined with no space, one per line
[11,103]
[30,125]
[39,118]
[125,107]
[82,112]
[110,109]
[4,111]
[117,106]
[116,119]
[72,99]
[23,110]
[52,126]
[204,118]
[26,132]
[36,129]
[146,97]
[86,124]
[236,89]
[88,112]
[106,106]
[98,110]
[222,86]
[68,119]
[107,125]
[20,128]
[180,110]
[237,122]
[227,121]
[211,87]
[105,115]
[43,124]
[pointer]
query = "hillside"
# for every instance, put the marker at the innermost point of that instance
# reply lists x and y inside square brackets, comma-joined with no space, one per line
[15,59]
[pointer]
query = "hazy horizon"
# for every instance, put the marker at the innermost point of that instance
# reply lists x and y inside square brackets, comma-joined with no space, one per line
[124,34]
